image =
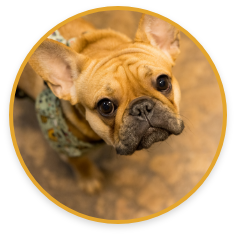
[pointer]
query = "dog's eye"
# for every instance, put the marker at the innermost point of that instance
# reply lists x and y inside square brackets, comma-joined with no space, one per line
[106,107]
[163,83]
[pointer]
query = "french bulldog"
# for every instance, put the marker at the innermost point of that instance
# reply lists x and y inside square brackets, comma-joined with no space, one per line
[111,87]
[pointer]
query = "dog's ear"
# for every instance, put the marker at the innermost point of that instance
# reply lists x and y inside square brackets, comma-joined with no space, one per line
[60,67]
[160,34]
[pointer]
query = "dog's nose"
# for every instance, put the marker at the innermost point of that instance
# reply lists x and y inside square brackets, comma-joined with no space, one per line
[141,107]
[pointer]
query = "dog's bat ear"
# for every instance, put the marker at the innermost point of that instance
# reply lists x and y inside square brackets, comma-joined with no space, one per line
[159,33]
[60,67]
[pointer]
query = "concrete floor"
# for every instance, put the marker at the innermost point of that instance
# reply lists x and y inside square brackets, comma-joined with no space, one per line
[148,181]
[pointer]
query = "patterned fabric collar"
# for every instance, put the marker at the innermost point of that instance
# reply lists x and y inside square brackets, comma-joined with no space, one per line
[58,37]
[52,122]
[54,127]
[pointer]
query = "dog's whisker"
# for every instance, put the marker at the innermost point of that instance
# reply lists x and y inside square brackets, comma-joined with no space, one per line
[167,143]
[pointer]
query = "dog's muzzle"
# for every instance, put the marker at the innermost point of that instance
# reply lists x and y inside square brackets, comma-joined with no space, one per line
[148,121]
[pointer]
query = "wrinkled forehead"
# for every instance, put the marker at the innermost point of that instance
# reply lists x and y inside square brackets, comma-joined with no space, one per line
[127,73]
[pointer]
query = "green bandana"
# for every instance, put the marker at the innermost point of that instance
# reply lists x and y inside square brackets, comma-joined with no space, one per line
[54,127]
[52,122]
[58,37]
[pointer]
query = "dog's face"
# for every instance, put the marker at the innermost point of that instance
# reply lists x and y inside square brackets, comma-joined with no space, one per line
[135,100]
[129,96]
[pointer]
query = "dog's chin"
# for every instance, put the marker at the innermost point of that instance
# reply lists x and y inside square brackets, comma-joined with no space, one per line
[151,136]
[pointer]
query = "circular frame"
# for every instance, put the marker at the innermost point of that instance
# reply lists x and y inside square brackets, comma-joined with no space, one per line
[111,8]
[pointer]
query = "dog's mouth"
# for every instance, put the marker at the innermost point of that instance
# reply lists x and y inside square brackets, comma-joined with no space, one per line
[151,136]
[143,127]
[144,141]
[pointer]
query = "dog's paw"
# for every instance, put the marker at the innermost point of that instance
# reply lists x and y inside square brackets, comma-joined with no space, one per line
[91,184]
[88,175]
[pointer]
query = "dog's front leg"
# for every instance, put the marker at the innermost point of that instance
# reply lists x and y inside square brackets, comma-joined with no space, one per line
[88,175]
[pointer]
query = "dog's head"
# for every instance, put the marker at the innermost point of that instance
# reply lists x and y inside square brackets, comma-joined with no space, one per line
[128,94]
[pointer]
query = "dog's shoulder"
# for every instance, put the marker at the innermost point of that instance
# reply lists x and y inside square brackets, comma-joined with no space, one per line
[75,28]
[99,40]
[90,40]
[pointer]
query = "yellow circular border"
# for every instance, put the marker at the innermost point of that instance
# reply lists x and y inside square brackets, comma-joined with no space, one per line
[141,218]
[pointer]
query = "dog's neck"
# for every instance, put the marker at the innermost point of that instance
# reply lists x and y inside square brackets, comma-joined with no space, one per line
[77,123]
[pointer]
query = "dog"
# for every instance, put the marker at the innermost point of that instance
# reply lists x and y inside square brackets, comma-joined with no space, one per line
[109,88]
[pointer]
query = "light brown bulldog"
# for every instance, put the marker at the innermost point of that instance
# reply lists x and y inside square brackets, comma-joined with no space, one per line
[111,88]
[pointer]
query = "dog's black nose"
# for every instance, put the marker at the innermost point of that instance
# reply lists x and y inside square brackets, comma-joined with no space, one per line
[141,107]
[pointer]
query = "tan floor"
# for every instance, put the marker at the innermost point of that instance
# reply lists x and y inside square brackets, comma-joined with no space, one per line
[148,181]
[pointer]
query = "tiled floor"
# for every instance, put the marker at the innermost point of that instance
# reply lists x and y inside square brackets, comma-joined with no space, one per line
[148,181]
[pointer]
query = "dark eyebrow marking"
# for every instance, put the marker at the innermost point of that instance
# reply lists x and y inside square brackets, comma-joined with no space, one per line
[109,89]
